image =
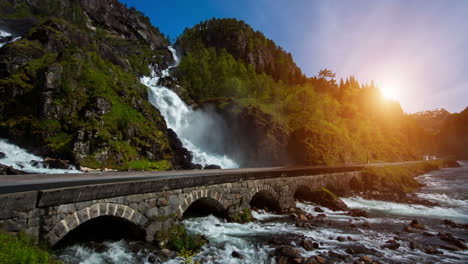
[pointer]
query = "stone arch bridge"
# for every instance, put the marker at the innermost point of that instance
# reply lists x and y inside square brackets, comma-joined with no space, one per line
[48,207]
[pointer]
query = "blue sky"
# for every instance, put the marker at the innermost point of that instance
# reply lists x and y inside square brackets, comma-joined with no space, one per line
[416,48]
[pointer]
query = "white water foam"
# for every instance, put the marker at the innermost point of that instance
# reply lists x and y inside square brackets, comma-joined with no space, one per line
[20,159]
[405,209]
[191,126]
[7,34]
[262,215]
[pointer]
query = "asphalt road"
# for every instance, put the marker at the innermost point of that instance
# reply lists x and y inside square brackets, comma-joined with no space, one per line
[35,182]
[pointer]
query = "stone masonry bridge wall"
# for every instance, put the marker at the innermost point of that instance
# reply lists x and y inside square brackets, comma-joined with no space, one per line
[156,204]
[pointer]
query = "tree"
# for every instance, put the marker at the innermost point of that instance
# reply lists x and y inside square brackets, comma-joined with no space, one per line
[326,73]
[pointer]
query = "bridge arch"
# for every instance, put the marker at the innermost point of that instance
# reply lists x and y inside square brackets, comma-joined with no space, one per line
[302,193]
[205,200]
[108,211]
[265,197]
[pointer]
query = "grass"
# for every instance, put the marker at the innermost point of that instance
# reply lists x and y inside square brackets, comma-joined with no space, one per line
[243,217]
[21,249]
[180,241]
[401,177]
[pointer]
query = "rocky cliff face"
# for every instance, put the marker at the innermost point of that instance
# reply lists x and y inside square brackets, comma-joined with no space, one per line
[71,85]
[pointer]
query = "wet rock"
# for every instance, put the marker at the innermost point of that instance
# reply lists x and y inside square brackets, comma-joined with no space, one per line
[412,245]
[391,244]
[428,234]
[408,229]
[8,170]
[451,247]
[318,210]
[303,217]
[308,244]
[212,167]
[57,163]
[2,155]
[358,213]
[237,255]
[458,242]
[433,251]
[415,224]
[321,215]
[366,224]
[319,259]
[341,239]
[324,197]
[291,254]
[452,224]
[151,258]
[35,163]
[339,257]
[366,259]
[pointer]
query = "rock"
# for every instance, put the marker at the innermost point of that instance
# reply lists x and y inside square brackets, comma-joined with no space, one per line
[321,215]
[433,251]
[308,244]
[166,253]
[8,170]
[358,213]
[341,239]
[428,234]
[458,242]
[393,245]
[2,155]
[452,224]
[151,258]
[237,255]
[412,245]
[366,224]
[302,217]
[289,252]
[212,167]
[318,210]
[451,247]
[57,163]
[366,259]
[407,229]
[35,163]
[324,197]
[415,224]
[319,259]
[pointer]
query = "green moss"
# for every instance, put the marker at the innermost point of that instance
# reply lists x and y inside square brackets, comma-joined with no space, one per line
[401,177]
[328,192]
[21,249]
[179,240]
[161,165]
[243,217]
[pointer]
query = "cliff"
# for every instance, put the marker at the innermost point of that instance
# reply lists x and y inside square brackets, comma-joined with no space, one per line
[71,85]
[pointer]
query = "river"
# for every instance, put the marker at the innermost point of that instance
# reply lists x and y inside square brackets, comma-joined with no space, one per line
[365,236]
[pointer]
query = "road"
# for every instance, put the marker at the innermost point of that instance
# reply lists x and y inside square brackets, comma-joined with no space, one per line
[36,182]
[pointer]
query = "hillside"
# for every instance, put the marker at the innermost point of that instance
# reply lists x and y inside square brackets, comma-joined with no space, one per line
[432,120]
[71,85]
[314,121]
[453,136]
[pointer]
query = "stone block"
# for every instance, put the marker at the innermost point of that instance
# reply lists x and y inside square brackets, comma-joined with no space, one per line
[66,209]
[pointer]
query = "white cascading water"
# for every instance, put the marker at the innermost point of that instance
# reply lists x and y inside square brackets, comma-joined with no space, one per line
[4,34]
[194,128]
[20,159]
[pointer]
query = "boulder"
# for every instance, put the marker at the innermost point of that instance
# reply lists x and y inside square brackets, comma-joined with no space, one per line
[324,197]
[391,244]
[289,253]
[8,170]
[2,155]
[212,167]
[415,224]
[57,163]
[237,255]
[358,213]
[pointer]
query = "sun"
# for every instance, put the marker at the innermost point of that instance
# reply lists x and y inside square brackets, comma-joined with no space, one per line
[388,92]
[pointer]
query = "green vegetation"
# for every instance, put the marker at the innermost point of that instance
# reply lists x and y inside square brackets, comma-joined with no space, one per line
[179,240]
[401,177]
[21,249]
[243,217]
[329,123]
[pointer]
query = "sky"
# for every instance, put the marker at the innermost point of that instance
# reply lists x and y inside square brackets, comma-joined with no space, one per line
[415,50]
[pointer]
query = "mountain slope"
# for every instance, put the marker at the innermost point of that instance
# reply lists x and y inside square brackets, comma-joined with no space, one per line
[72,89]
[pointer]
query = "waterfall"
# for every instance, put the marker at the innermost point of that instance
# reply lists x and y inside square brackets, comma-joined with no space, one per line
[6,37]
[20,159]
[201,132]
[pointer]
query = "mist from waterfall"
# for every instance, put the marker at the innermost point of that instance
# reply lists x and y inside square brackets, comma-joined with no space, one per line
[201,131]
